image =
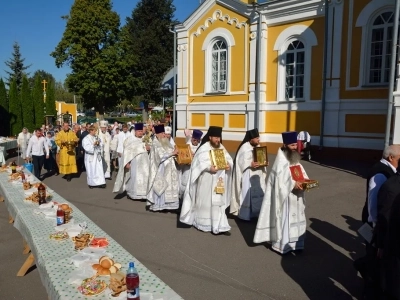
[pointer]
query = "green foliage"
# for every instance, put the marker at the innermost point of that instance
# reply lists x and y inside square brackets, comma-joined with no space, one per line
[62,93]
[148,36]
[90,46]
[38,105]
[27,105]
[43,75]
[4,116]
[17,67]
[51,99]
[15,109]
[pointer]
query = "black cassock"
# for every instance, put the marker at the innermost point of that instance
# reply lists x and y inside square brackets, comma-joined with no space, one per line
[390,265]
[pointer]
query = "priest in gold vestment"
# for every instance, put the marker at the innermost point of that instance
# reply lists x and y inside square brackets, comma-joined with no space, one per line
[67,163]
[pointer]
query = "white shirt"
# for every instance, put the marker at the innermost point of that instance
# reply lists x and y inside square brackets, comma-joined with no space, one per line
[122,136]
[36,145]
[374,185]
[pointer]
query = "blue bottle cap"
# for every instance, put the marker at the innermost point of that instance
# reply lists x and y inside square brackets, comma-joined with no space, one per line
[131,265]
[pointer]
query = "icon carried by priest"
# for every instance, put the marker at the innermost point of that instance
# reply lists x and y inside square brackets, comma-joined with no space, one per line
[163,184]
[249,178]
[207,193]
[193,140]
[282,220]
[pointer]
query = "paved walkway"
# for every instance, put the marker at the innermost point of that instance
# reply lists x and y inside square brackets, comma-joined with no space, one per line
[200,265]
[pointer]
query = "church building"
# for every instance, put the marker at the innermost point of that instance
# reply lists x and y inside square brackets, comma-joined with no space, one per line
[242,65]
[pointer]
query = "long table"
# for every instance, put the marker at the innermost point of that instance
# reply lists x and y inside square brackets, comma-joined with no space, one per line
[9,144]
[52,258]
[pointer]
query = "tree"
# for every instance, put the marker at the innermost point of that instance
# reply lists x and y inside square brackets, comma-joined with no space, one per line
[4,115]
[62,93]
[17,67]
[150,39]
[15,108]
[90,46]
[38,105]
[51,99]
[28,117]
[43,75]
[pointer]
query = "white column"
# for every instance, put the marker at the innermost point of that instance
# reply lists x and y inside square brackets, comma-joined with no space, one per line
[396,95]
[333,126]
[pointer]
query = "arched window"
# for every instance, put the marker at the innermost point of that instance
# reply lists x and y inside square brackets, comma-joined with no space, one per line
[294,46]
[295,59]
[219,66]
[380,48]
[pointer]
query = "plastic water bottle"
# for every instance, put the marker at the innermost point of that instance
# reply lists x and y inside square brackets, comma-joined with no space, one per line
[132,282]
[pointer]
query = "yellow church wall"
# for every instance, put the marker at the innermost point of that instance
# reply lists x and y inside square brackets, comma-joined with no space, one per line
[237,121]
[198,119]
[317,25]
[365,123]
[238,67]
[356,44]
[281,121]
[70,108]
[217,120]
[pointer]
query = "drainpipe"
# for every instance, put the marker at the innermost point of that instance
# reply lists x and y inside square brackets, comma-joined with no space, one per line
[392,72]
[174,85]
[324,77]
[258,69]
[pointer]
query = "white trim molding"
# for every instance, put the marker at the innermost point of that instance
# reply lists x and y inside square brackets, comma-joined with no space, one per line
[307,36]
[370,9]
[216,33]
[218,15]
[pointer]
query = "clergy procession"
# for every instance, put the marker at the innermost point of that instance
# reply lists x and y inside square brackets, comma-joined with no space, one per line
[206,187]
[200,180]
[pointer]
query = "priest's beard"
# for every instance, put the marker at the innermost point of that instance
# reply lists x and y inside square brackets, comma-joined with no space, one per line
[215,145]
[292,155]
[165,143]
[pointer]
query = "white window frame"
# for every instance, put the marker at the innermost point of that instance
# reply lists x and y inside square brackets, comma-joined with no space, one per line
[367,81]
[218,79]
[365,20]
[305,35]
[295,51]
[216,35]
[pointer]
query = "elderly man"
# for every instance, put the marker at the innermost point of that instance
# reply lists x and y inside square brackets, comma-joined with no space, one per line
[163,184]
[133,176]
[282,220]
[379,174]
[168,133]
[67,162]
[249,179]
[194,141]
[93,160]
[105,138]
[207,193]
[22,141]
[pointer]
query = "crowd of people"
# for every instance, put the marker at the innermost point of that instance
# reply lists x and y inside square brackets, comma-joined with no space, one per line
[144,160]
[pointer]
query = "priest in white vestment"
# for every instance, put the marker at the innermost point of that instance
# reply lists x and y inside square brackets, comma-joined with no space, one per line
[207,193]
[282,221]
[93,159]
[194,141]
[122,136]
[105,138]
[22,141]
[249,179]
[168,135]
[163,184]
[133,176]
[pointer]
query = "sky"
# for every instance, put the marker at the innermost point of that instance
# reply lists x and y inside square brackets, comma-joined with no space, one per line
[37,27]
